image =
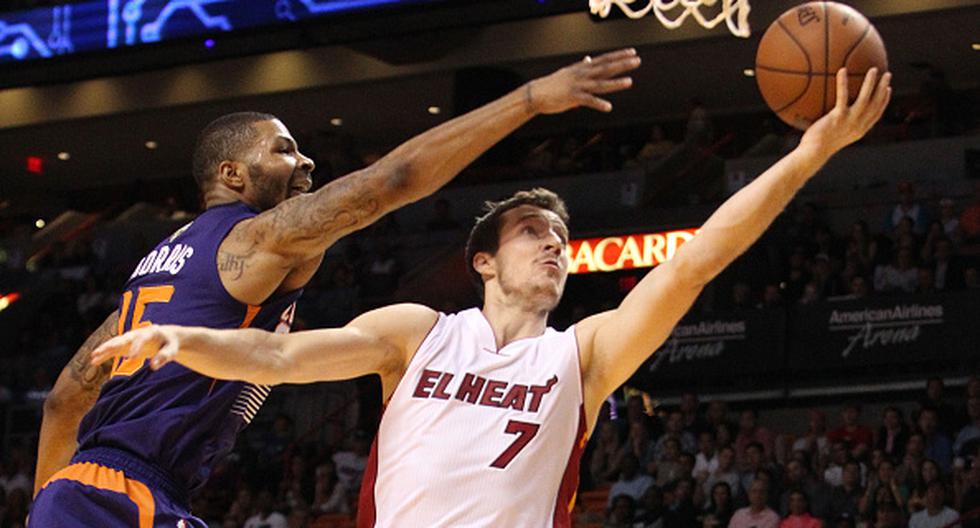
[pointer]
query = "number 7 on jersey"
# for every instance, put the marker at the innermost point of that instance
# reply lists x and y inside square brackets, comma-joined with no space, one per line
[525,431]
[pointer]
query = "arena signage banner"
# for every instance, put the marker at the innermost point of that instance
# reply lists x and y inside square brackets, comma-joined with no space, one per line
[884,331]
[717,350]
[622,252]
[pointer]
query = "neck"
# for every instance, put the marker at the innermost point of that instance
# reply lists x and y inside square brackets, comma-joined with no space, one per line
[512,321]
[220,195]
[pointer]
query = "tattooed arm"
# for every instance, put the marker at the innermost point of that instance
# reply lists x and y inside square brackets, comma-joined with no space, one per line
[73,395]
[301,228]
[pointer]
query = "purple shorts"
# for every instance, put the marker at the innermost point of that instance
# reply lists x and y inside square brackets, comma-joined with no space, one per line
[111,490]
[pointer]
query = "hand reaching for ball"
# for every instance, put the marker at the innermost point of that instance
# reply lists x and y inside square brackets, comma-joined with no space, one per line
[845,124]
[579,84]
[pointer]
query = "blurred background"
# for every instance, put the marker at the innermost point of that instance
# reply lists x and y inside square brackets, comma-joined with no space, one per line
[843,343]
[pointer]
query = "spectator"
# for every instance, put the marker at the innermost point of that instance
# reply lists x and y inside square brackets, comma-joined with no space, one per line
[799,515]
[947,414]
[968,438]
[846,498]
[888,515]
[757,514]
[857,437]
[680,504]
[883,486]
[721,506]
[699,131]
[706,461]
[329,495]
[908,208]
[604,465]
[928,473]
[350,464]
[622,510]
[716,415]
[925,282]
[817,493]
[725,473]
[915,453]
[834,472]
[652,509]
[935,514]
[898,276]
[893,433]
[938,446]
[266,516]
[861,246]
[750,431]
[814,441]
[674,429]
[947,269]
[639,444]
[755,462]
[442,217]
[949,220]
[668,467]
[968,497]
[691,421]
[655,149]
[631,482]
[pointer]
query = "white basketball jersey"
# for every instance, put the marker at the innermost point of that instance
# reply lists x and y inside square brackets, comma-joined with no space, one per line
[477,437]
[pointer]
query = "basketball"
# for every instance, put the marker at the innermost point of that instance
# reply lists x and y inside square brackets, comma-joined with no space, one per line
[800,53]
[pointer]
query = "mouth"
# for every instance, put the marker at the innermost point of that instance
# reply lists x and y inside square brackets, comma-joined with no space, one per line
[551,264]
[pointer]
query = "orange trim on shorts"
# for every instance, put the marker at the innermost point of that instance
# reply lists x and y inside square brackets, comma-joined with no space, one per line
[250,315]
[101,477]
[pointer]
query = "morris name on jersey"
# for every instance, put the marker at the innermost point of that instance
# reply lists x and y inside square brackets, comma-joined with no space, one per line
[166,258]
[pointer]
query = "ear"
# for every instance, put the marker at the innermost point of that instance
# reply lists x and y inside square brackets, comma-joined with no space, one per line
[484,264]
[232,174]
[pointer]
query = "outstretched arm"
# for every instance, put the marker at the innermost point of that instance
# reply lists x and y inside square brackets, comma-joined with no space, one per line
[303,227]
[614,344]
[377,342]
[72,396]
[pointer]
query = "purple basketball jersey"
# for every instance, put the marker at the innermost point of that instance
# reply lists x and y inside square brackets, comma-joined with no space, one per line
[175,419]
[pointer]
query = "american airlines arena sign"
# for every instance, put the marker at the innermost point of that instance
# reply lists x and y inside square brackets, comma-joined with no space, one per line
[623,252]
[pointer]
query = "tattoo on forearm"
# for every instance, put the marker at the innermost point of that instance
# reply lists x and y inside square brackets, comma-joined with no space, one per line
[91,377]
[344,205]
[233,264]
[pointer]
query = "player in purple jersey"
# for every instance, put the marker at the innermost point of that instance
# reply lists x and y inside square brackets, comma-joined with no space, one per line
[148,439]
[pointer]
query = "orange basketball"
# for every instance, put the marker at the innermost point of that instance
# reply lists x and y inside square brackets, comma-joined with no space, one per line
[801,52]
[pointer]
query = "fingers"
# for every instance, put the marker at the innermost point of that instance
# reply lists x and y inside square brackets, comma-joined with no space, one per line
[164,356]
[595,103]
[115,347]
[608,69]
[613,56]
[882,95]
[867,88]
[609,85]
[842,94]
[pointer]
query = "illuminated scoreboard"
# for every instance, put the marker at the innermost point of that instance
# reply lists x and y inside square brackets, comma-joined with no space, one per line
[92,26]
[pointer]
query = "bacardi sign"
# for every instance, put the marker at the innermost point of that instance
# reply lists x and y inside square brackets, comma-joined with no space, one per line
[626,251]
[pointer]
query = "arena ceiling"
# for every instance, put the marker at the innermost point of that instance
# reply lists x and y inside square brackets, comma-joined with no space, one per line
[381,90]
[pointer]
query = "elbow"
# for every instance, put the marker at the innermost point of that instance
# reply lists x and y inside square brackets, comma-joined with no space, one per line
[400,177]
[691,272]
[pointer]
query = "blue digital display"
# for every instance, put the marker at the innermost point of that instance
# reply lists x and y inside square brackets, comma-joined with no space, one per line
[48,32]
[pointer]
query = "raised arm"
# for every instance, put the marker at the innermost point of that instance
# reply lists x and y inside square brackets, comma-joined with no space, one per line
[72,396]
[303,227]
[614,344]
[377,342]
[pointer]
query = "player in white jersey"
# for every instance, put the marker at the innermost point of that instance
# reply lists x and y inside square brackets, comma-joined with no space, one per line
[488,409]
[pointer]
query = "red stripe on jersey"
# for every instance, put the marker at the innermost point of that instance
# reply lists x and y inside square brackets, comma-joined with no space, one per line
[366,511]
[569,481]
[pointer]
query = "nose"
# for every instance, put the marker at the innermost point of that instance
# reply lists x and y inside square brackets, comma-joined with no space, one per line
[305,163]
[553,243]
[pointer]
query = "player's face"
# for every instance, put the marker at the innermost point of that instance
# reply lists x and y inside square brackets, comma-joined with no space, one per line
[277,170]
[531,261]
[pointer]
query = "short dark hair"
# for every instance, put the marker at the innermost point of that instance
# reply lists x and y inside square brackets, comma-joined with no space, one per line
[485,235]
[225,138]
